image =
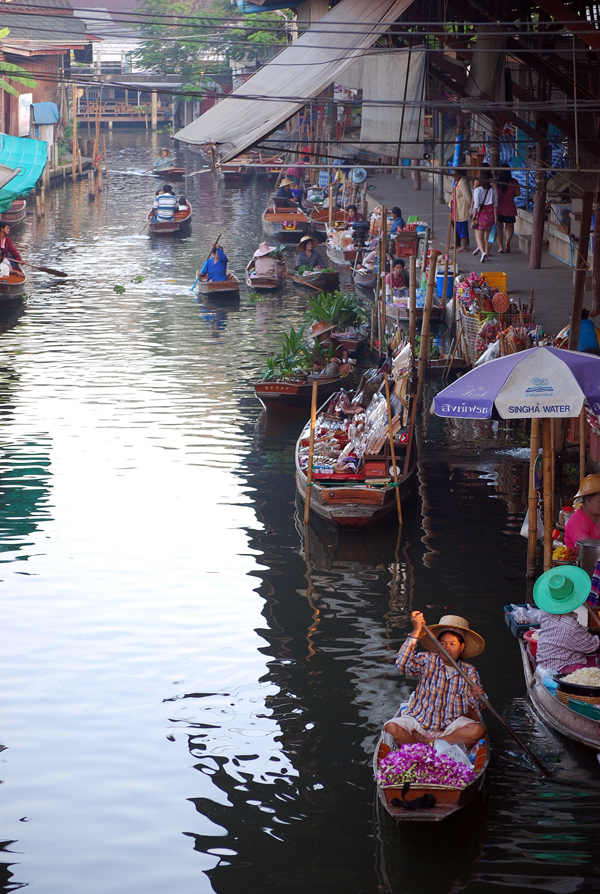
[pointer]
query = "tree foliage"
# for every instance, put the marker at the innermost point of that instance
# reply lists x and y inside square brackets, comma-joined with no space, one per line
[15,72]
[196,39]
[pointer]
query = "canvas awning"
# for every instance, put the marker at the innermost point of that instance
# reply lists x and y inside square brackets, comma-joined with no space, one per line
[293,78]
[394,129]
[29,158]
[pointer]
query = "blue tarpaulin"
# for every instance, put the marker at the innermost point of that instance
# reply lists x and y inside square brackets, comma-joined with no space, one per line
[44,112]
[28,155]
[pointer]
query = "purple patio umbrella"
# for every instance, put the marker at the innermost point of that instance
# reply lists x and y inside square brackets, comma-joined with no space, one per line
[545,383]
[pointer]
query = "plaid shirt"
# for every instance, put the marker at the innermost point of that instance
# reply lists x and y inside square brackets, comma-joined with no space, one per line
[563,641]
[438,699]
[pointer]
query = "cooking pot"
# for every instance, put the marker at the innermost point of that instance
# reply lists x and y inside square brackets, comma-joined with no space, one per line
[588,551]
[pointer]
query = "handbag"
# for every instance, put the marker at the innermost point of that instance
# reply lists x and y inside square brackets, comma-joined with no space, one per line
[493,234]
[475,221]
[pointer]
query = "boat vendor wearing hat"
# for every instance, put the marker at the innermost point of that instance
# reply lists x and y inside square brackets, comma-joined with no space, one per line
[307,255]
[440,705]
[285,191]
[563,643]
[584,524]
[265,264]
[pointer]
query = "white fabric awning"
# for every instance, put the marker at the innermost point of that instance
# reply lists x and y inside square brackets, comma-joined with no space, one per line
[293,78]
[397,127]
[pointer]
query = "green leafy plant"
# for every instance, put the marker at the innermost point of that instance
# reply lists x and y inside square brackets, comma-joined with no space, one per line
[119,289]
[15,73]
[137,278]
[338,308]
[294,357]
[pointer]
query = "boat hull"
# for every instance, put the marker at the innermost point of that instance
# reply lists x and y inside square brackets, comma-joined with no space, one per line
[16,212]
[273,219]
[274,395]
[13,287]
[364,280]
[226,289]
[318,280]
[170,173]
[262,283]
[181,221]
[560,717]
[343,258]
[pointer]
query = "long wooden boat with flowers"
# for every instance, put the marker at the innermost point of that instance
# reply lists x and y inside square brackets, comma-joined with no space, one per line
[408,801]
[286,225]
[361,492]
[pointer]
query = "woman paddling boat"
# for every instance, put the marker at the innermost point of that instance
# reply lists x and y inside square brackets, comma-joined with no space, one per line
[6,243]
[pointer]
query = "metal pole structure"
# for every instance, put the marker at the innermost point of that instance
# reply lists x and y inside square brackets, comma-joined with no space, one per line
[440,185]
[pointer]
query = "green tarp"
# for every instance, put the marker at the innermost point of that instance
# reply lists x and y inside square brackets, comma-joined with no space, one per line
[28,155]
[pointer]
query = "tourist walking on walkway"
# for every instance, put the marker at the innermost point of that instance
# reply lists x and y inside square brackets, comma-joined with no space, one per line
[508,190]
[485,213]
[461,207]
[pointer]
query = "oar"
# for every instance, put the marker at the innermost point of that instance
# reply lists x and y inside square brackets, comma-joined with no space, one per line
[216,242]
[316,288]
[44,269]
[445,655]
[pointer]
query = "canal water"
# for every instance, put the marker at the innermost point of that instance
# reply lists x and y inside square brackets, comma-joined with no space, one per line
[190,690]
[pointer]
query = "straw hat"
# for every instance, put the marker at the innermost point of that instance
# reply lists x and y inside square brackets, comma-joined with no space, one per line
[474,644]
[588,486]
[286,182]
[311,239]
[559,591]
[262,250]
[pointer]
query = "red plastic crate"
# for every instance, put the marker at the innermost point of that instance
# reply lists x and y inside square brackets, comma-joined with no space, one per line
[573,432]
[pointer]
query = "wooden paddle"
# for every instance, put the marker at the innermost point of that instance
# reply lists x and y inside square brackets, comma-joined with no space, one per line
[484,699]
[316,288]
[215,243]
[44,269]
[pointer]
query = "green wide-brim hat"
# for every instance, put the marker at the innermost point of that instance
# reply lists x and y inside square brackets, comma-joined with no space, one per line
[562,590]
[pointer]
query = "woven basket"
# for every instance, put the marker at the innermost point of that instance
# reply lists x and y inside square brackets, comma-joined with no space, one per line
[565,697]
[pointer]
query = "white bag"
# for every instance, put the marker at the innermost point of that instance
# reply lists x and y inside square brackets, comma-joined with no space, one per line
[540,526]
[454,750]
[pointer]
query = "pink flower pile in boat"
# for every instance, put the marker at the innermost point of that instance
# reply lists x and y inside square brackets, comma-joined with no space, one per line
[421,763]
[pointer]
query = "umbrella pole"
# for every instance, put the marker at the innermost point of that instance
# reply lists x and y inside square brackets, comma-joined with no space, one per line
[582,440]
[548,517]
[532,534]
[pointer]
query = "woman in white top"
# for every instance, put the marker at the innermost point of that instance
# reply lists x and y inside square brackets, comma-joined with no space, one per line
[485,212]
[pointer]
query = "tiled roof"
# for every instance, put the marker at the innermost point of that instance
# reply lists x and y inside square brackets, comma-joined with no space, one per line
[35,28]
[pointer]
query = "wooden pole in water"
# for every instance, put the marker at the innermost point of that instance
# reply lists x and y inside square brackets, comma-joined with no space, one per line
[424,351]
[74,161]
[105,162]
[548,517]
[582,441]
[311,449]
[412,305]
[392,451]
[79,162]
[447,256]
[532,534]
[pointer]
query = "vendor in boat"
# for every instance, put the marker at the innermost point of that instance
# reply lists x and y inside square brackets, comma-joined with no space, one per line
[285,190]
[353,215]
[164,160]
[215,267]
[584,524]
[564,645]
[265,264]
[398,278]
[297,172]
[165,204]
[440,705]
[6,243]
[307,255]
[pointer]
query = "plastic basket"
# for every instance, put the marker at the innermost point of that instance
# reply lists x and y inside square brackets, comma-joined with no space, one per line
[517,629]
[405,249]
[495,280]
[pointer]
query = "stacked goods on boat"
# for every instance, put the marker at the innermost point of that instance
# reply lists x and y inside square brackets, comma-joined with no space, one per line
[492,323]
[341,247]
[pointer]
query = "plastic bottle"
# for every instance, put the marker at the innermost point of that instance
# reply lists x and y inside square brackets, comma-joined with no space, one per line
[477,747]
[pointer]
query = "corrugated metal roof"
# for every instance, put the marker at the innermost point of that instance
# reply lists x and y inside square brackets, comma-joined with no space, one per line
[56,29]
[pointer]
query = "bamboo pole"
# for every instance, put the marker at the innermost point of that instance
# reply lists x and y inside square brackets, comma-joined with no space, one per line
[311,449]
[582,440]
[79,162]
[329,183]
[105,162]
[423,353]
[447,257]
[382,347]
[412,305]
[392,451]
[532,536]
[548,517]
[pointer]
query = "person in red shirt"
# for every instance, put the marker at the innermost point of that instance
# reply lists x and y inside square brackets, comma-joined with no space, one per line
[6,243]
[584,524]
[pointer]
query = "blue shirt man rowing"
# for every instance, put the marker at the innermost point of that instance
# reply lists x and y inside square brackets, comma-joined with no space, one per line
[215,266]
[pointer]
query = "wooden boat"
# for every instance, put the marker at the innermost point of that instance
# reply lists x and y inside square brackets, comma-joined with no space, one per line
[398,313]
[275,395]
[13,286]
[170,173]
[561,716]
[273,219]
[235,172]
[272,165]
[307,202]
[319,222]
[318,279]
[226,289]
[448,800]
[366,279]
[341,257]
[181,220]
[16,212]
[348,500]
[263,283]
